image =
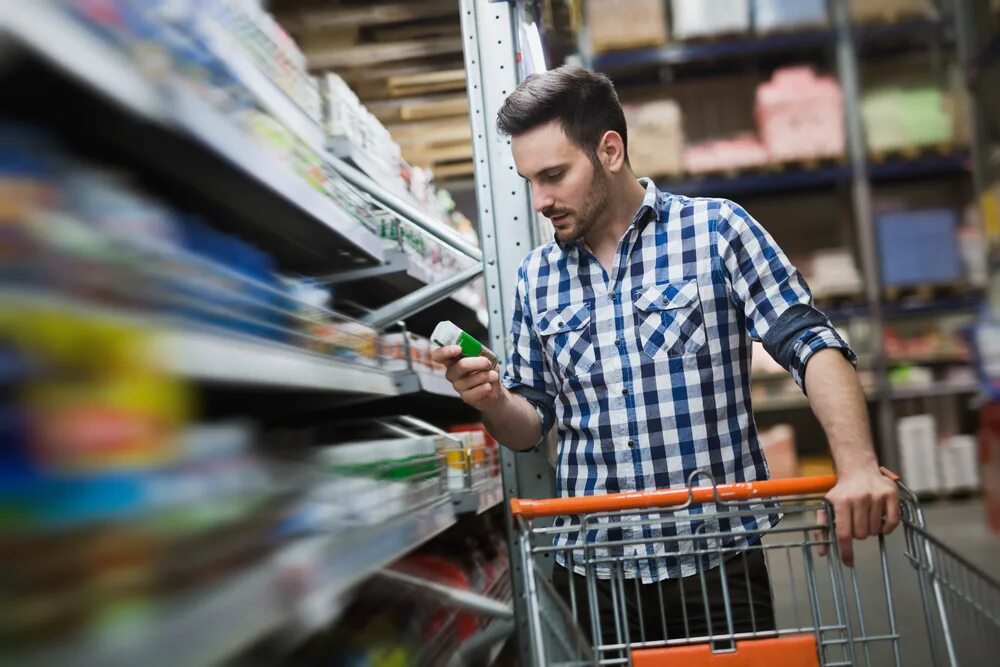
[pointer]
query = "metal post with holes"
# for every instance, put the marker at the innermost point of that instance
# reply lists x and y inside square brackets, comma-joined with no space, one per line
[490,31]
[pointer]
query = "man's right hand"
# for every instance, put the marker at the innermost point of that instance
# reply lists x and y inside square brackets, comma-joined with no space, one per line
[472,377]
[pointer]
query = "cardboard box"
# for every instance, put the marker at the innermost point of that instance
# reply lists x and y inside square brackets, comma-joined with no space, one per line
[616,25]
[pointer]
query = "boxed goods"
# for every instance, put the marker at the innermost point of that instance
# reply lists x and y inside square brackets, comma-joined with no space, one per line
[867,11]
[898,117]
[626,24]
[917,437]
[834,273]
[707,18]
[959,463]
[800,115]
[918,247]
[775,15]
[656,137]
[743,151]
[778,444]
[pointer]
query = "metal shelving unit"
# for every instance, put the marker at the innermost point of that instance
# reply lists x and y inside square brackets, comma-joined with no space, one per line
[164,131]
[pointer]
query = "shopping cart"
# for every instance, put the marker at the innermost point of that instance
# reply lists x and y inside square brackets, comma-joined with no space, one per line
[909,600]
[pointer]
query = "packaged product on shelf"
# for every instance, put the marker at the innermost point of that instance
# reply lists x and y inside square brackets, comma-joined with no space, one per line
[777,15]
[778,443]
[739,152]
[800,116]
[661,149]
[707,18]
[625,24]
[447,333]
[369,482]
[906,116]
[918,247]
[958,460]
[917,436]
[866,11]
[833,272]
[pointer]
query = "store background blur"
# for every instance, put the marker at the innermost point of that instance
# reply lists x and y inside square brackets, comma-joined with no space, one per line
[223,438]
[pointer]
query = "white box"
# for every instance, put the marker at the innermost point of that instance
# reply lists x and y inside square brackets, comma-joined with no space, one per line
[958,465]
[917,437]
[704,18]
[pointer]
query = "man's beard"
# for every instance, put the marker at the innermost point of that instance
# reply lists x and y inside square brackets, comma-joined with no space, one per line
[590,212]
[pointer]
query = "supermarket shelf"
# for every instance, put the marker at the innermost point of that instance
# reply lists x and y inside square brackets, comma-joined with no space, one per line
[946,389]
[806,177]
[327,567]
[929,359]
[796,401]
[402,276]
[760,182]
[168,130]
[232,360]
[928,164]
[915,307]
[203,629]
[417,380]
[297,587]
[221,356]
[484,496]
[814,39]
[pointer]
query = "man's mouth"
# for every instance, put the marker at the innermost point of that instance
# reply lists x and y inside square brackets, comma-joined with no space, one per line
[557,219]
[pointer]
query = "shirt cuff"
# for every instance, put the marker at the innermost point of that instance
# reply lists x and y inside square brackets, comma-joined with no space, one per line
[543,403]
[812,341]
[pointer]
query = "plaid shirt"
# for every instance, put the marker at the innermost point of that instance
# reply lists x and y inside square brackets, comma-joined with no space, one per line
[645,369]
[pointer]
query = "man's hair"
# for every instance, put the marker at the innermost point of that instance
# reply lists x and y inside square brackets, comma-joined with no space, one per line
[584,103]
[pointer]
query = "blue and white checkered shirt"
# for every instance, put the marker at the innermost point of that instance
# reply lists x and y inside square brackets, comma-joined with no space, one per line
[645,369]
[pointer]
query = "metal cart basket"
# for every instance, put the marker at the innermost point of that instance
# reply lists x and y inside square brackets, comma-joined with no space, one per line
[909,600]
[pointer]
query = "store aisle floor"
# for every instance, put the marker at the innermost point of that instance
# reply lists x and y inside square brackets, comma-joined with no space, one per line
[959,524]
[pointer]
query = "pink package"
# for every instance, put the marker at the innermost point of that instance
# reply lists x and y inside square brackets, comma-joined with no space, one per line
[800,115]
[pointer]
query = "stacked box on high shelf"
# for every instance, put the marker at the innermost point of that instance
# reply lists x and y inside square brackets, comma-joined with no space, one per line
[918,247]
[800,115]
[615,25]
[869,11]
[709,18]
[658,123]
[780,15]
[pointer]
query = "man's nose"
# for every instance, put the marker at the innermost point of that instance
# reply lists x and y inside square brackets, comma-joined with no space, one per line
[540,199]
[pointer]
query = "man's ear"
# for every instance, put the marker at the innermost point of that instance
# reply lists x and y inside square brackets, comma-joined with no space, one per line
[611,151]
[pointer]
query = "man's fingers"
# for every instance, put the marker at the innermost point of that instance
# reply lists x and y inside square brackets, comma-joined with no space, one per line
[477,393]
[821,535]
[861,511]
[891,514]
[447,355]
[473,380]
[465,366]
[875,517]
[844,522]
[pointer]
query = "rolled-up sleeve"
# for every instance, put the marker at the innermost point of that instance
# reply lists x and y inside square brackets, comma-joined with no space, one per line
[772,295]
[527,372]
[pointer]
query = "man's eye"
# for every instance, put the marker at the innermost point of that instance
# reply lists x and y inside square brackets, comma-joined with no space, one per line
[553,175]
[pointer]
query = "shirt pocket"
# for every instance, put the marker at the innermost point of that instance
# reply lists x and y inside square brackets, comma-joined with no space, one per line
[670,319]
[565,333]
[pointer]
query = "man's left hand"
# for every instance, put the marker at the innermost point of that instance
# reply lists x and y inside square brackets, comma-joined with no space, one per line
[865,503]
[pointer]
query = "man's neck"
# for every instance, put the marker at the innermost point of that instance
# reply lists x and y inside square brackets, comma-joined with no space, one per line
[626,198]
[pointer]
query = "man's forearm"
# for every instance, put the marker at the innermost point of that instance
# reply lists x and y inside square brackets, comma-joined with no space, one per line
[838,402]
[514,422]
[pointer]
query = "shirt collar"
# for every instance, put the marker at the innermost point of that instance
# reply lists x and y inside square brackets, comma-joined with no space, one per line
[646,212]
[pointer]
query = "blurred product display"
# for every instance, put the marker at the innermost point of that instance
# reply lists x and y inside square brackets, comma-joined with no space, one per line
[228,229]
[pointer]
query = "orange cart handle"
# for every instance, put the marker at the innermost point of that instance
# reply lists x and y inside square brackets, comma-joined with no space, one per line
[772,488]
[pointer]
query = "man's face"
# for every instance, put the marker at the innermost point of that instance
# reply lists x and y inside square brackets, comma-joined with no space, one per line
[565,185]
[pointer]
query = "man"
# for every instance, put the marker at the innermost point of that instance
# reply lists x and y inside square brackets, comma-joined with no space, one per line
[631,333]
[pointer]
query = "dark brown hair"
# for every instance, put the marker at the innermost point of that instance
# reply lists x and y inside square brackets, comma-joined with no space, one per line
[584,103]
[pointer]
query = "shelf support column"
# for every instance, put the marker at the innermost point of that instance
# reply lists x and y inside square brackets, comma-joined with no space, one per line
[861,197]
[508,230]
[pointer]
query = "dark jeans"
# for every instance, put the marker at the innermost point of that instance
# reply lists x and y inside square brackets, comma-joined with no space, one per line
[654,606]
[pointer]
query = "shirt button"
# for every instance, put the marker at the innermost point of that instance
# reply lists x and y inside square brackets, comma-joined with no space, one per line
[625,391]
[631,443]
[613,296]
[618,342]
